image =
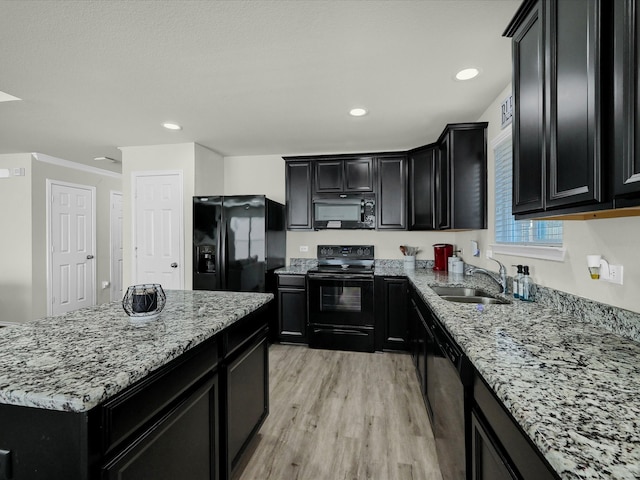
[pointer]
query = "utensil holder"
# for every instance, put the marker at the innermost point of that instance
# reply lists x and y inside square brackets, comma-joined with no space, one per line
[409,262]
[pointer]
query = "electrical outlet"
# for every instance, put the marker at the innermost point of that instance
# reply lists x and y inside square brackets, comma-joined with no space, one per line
[488,254]
[304,248]
[615,274]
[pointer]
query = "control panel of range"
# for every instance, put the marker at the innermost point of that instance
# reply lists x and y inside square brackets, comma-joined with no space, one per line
[353,252]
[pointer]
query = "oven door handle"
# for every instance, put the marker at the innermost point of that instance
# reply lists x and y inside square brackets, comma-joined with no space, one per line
[340,331]
[349,276]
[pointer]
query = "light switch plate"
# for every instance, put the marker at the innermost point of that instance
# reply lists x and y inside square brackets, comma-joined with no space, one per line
[304,248]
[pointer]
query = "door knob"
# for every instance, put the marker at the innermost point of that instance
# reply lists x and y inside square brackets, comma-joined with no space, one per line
[174,265]
[89,257]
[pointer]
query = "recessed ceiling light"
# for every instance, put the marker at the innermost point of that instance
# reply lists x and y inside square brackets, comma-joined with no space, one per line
[171,126]
[358,112]
[467,74]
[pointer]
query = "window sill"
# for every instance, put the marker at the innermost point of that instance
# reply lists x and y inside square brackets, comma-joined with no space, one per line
[555,254]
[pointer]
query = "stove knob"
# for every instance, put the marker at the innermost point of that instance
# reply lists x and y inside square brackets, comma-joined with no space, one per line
[360,252]
[367,251]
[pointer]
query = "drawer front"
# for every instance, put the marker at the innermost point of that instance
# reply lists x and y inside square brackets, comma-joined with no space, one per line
[291,281]
[243,331]
[139,404]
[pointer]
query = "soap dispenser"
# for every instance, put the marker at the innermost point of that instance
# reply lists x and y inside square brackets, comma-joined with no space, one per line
[517,280]
[527,288]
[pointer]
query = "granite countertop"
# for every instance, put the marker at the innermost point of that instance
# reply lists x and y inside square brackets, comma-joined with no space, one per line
[76,361]
[573,386]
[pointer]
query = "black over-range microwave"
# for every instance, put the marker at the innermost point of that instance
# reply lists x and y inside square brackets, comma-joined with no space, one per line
[344,211]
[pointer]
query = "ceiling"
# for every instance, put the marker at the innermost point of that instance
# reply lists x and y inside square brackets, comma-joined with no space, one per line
[244,77]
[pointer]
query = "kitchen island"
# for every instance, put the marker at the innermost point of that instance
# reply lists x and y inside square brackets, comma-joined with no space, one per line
[95,394]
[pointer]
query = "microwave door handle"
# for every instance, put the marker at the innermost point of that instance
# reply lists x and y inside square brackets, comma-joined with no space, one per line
[362,203]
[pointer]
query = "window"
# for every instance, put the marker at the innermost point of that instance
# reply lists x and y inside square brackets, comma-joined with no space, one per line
[507,229]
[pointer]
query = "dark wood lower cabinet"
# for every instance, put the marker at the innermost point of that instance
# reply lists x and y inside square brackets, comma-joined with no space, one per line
[247,398]
[391,295]
[292,309]
[487,463]
[181,444]
[515,449]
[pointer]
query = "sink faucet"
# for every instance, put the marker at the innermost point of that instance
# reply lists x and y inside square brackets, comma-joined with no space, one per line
[500,278]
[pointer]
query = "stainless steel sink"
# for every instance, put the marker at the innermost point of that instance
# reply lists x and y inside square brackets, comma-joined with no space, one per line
[459,292]
[467,295]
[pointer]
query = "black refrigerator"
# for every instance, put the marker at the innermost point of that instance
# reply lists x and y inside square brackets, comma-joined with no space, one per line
[238,242]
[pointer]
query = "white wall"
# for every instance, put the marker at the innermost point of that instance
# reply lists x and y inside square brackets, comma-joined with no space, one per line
[615,239]
[209,172]
[103,184]
[23,247]
[255,175]
[15,241]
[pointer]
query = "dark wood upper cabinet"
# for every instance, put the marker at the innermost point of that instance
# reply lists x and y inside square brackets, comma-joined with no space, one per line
[461,177]
[573,115]
[422,165]
[298,194]
[344,175]
[528,121]
[626,88]
[576,105]
[442,186]
[391,204]
[359,175]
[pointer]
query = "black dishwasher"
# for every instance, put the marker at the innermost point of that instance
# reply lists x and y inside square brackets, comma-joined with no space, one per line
[449,379]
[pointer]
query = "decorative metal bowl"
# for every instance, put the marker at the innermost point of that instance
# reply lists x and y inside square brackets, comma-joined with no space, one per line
[144,301]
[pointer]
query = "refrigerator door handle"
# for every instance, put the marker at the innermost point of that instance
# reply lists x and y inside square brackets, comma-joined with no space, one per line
[223,252]
[219,259]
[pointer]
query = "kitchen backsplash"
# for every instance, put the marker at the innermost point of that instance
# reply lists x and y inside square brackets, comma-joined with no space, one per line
[616,320]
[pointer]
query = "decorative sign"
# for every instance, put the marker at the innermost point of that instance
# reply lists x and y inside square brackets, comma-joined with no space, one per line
[506,111]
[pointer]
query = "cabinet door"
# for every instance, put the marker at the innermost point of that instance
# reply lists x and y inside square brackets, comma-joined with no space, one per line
[422,164]
[292,312]
[329,176]
[247,399]
[181,444]
[359,175]
[468,171]
[395,328]
[486,462]
[528,120]
[573,103]
[391,205]
[298,193]
[626,98]
[443,187]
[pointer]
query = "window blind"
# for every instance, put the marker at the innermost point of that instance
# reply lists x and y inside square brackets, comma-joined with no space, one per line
[507,229]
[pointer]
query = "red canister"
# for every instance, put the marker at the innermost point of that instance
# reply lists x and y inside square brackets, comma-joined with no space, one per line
[441,254]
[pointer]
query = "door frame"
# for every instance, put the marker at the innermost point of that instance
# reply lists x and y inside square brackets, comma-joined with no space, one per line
[134,204]
[113,193]
[50,182]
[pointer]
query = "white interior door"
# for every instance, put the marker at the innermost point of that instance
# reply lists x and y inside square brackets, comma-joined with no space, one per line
[116,246]
[158,228]
[71,247]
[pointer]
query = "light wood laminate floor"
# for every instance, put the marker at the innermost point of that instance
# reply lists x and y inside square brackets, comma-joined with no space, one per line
[341,415]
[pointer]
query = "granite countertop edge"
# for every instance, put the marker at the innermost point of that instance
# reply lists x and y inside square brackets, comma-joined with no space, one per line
[79,360]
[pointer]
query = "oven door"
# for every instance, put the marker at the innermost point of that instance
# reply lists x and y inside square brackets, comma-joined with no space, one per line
[342,300]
